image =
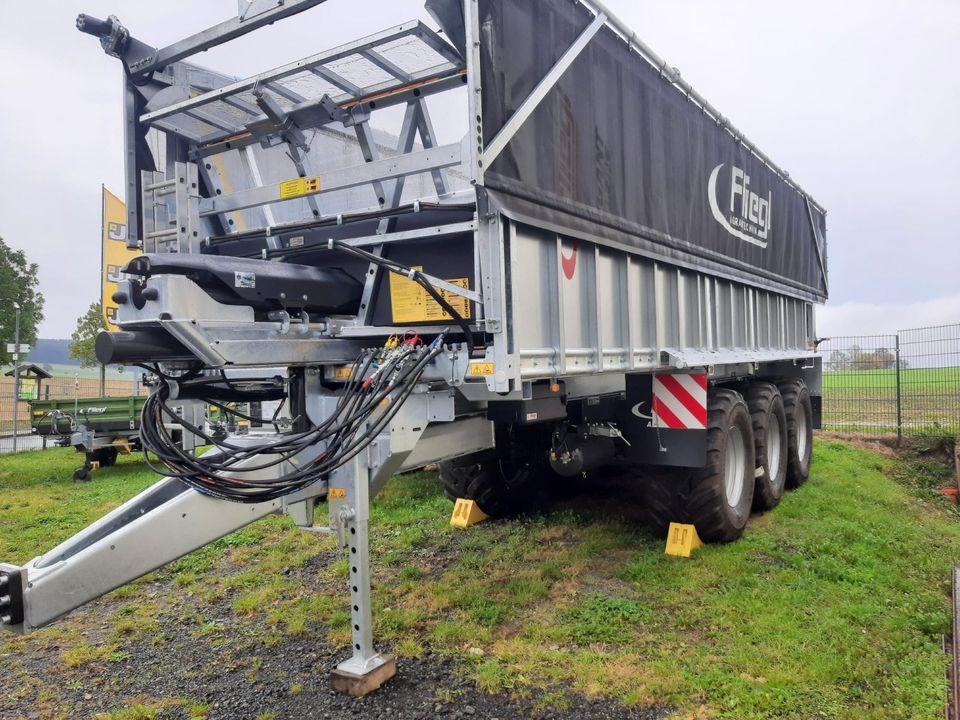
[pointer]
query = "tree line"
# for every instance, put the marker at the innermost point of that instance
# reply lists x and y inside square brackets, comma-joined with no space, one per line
[856,358]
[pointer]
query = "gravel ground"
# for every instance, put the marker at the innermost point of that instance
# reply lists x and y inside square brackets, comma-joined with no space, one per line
[242,679]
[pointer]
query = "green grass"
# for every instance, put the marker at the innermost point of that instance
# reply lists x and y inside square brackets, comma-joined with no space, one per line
[832,606]
[40,503]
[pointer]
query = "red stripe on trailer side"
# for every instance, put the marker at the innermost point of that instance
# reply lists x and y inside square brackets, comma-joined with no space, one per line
[569,264]
[666,416]
[693,406]
[701,380]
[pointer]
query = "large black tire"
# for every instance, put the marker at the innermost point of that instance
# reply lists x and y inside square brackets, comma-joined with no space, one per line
[719,496]
[660,495]
[770,440]
[503,482]
[108,456]
[799,412]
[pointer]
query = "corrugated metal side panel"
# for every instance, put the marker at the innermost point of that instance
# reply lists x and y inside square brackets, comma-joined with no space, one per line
[582,308]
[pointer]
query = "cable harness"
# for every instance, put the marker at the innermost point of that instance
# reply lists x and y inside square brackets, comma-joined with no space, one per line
[381,380]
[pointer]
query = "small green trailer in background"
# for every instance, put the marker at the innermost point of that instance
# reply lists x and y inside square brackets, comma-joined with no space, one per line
[100,427]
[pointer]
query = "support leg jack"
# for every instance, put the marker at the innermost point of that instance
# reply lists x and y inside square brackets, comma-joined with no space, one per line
[349,503]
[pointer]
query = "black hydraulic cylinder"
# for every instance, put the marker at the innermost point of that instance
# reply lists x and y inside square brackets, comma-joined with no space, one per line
[148,345]
[93,26]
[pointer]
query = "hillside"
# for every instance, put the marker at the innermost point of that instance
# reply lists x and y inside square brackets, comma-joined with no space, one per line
[52,352]
[53,355]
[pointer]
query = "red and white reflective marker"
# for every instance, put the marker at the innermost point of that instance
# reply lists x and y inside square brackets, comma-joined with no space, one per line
[680,402]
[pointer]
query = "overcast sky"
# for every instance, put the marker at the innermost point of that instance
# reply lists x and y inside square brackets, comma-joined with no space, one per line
[857,99]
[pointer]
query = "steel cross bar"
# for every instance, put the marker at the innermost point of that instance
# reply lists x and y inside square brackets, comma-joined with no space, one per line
[385,169]
[208,118]
[289,69]
[428,138]
[428,232]
[503,138]
[242,105]
[337,80]
[385,97]
[386,65]
[405,144]
[368,148]
[218,34]
[284,92]
[163,523]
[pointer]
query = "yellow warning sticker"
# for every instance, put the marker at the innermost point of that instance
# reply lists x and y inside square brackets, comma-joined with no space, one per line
[336,493]
[482,369]
[412,304]
[344,372]
[299,187]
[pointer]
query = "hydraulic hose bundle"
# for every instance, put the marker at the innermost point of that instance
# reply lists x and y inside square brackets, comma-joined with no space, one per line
[381,381]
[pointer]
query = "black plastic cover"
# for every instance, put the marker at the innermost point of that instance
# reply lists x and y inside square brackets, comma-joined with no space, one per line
[261,284]
[617,152]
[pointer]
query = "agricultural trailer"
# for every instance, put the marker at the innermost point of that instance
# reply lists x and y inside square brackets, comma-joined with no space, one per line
[98,427]
[599,270]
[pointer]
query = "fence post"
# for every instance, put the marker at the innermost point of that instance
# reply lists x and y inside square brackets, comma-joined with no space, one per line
[899,393]
[46,396]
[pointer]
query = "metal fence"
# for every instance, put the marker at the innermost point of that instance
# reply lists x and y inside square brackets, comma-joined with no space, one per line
[904,383]
[57,388]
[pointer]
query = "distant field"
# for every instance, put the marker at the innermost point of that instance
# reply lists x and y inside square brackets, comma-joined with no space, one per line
[847,379]
[866,400]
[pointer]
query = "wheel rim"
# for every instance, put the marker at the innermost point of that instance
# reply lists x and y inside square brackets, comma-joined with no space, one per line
[802,429]
[774,445]
[734,473]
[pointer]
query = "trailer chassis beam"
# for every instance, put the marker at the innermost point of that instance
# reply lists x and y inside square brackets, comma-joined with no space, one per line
[163,523]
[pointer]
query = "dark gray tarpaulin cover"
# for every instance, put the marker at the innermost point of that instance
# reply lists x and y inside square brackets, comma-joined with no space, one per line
[616,151]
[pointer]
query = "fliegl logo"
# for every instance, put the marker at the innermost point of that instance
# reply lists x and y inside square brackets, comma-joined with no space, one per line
[748,217]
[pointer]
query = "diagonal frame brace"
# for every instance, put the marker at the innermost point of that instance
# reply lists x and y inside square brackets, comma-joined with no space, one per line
[533,101]
[816,243]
